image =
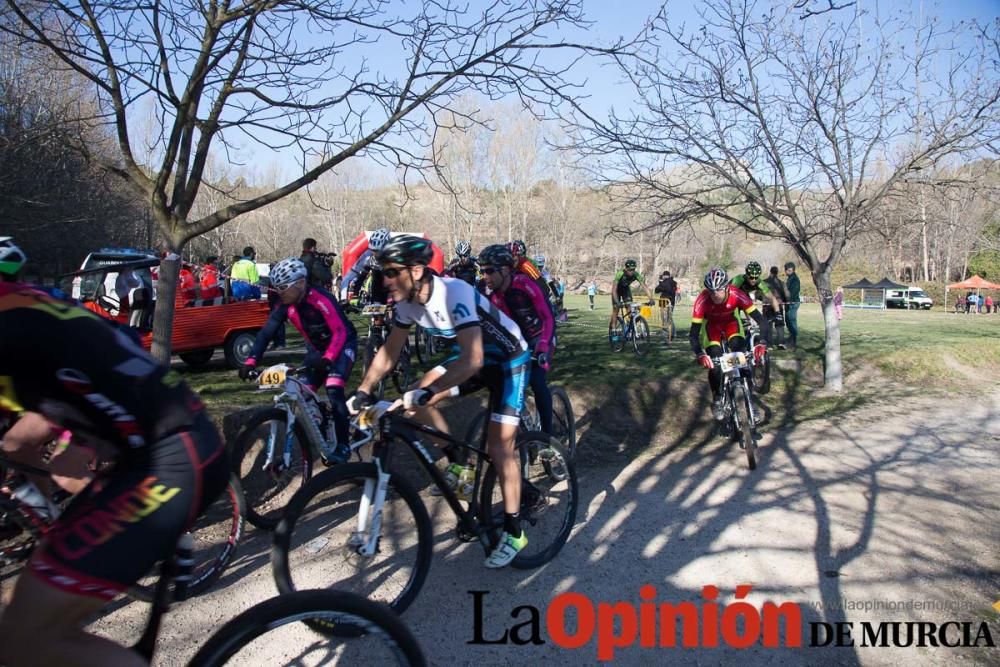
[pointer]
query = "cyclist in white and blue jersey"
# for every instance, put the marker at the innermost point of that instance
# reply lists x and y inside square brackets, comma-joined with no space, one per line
[491,353]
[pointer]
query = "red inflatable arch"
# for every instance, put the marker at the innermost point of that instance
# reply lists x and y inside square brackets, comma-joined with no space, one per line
[359,245]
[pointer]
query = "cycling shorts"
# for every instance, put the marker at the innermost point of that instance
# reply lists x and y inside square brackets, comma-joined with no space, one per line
[339,371]
[117,528]
[713,332]
[505,382]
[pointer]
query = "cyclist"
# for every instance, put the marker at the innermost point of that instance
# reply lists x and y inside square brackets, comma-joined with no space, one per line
[520,298]
[751,284]
[621,288]
[715,318]
[355,278]
[331,342]
[67,364]
[464,265]
[492,352]
[527,267]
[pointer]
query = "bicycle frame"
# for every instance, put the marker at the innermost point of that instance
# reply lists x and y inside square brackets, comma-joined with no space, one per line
[731,363]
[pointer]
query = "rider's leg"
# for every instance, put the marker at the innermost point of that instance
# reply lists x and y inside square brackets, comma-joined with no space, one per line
[543,396]
[24,441]
[431,416]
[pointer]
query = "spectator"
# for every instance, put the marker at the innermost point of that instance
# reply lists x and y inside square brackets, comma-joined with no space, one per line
[208,277]
[838,302]
[774,318]
[666,289]
[980,302]
[989,304]
[318,270]
[592,292]
[245,279]
[794,287]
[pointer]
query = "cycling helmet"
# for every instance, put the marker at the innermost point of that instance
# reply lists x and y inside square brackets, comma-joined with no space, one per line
[463,248]
[496,255]
[630,264]
[716,279]
[406,250]
[540,261]
[287,271]
[12,258]
[754,270]
[378,239]
[518,248]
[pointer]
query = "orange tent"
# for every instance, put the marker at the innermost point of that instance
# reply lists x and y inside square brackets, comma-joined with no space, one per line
[975,282]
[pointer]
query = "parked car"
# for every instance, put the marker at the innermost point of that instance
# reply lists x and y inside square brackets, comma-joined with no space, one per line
[912,298]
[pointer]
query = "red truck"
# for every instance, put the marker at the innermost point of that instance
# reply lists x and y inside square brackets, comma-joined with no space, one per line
[198,329]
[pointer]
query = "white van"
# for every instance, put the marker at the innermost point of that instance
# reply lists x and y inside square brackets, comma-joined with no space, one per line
[912,298]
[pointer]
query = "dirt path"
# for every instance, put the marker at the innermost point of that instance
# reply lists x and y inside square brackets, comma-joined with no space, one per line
[895,504]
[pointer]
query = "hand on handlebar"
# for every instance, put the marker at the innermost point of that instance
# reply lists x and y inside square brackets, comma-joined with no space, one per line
[759,350]
[417,398]
[542,359]
[248,372]
[358,401]
[705,361]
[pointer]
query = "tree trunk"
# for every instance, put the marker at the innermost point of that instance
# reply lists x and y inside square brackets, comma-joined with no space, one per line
[833,374]
[163,315]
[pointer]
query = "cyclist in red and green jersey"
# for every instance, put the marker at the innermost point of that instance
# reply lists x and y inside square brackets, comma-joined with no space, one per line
[713,319]
[621,287]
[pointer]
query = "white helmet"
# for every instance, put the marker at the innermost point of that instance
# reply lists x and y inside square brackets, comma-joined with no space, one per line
[378,239]
[12,258]
[540,261]
[287,271]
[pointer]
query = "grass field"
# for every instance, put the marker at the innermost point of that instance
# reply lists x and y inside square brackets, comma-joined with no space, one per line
[887,356]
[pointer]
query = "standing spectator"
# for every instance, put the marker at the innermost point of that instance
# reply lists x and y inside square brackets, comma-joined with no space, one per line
[794,301]
[774,318]
[244,276]
[319,273]
[970,299]
[592,292]
[208,277]
[989,304]
[666,290]
[980,302]
[838,302]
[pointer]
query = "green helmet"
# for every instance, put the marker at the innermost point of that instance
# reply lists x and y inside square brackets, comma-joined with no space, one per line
[12,258]
[630,264]
[754,270]
[406,250]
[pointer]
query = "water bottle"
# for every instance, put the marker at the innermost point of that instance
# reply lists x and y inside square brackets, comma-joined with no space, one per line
[466,483]
[31,497]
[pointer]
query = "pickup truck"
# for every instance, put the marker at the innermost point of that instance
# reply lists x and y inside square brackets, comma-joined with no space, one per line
[198,329]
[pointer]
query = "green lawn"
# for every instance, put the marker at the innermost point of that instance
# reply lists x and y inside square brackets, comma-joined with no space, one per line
[886,355]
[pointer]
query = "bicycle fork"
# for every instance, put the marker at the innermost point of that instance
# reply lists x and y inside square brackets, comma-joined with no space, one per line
[365,542]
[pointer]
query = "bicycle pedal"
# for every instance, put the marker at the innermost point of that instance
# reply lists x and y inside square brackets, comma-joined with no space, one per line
[464,535]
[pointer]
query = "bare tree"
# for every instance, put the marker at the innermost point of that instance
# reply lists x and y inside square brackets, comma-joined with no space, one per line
[796,128]
[287,74]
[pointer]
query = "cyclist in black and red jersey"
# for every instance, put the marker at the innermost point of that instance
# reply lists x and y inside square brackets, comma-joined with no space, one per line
[82,374]
[713,319]
[331,342]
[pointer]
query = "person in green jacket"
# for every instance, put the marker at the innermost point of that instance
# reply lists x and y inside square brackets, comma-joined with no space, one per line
[792,307]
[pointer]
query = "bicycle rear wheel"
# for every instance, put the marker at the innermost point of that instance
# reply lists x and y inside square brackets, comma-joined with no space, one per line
[268,491]
[270,633]
[316,544]
[616,335]
[401,373]
[640,335]
[371,349]
[563,421]
[549,499]
[216,535]
[741,413]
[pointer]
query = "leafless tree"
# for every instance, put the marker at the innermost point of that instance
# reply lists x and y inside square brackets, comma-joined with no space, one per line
[330,79]
[796,129]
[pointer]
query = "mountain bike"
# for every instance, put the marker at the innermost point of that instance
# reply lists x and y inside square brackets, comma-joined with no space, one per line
[274,452]
[629,327]
[215,535]
[359,526]
[741,417]
[426,345]
[761,374]
[378,330]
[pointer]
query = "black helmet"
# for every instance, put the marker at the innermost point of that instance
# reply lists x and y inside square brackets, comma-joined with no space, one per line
[496,255]
[753,270]
[630,264]
[406,250]
[517,248]
[716,279]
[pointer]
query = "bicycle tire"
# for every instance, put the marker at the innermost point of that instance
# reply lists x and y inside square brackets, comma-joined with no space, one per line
[640,335]
[741,413]
[383,629]
[267,494]
[616,335]
[217,533]
[401,372]
[371,349]
[563,421]
[762,375]
[554,491]
[381,577]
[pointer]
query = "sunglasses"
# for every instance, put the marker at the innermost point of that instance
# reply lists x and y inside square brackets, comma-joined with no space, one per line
[283,288]
[392,272]
[490,270]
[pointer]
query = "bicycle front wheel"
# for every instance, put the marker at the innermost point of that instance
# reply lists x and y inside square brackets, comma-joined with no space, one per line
[270,633]
[616,335]
[549,499]
[741,401]
[269,485]
[563,421]
[319,542]
[640,335]
[762,375]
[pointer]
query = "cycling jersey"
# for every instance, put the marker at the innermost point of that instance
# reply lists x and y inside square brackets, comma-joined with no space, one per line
[761,290]
[711,322]
[454,305]
[624,283]
[528,268]
[463,269]
[525,304]
[319,318]
[355,278]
